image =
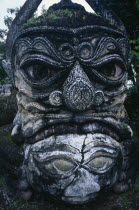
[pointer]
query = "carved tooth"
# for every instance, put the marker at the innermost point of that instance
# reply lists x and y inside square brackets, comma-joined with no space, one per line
[35,105]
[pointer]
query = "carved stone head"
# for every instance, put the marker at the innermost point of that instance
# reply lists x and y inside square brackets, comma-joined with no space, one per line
[70,73]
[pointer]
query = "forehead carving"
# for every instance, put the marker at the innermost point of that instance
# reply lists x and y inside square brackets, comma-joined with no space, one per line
[88,50]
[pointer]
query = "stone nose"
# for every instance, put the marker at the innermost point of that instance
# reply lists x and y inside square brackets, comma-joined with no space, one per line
[78,92]
[84,184]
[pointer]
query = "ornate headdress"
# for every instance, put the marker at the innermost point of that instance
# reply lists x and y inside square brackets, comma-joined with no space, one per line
[105,18]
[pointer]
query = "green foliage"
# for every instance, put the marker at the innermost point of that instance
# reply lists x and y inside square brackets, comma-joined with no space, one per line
[135,188]
[2,181]
[135,53]
[137,3]
[2,50]
[2,33]
[128,12]
[125,126]
[13,10]
[126,205]
[8,19]
[50,15]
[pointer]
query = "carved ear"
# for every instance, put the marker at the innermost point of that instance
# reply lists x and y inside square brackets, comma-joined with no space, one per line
[7,67]
[22,17]
[101,9]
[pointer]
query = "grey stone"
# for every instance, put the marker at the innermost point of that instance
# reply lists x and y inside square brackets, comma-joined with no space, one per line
[71,117]
[23,185]
[25,195]
[120,187]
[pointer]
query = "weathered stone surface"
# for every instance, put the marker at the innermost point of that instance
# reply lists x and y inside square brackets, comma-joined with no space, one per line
[71,86]
[120,187]
[23,185]
[11,156]
[26,195]
[5,90]
[8,109]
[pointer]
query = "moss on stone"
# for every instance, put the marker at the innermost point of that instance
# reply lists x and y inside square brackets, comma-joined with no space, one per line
[65,18]
[8,108]
[10,153]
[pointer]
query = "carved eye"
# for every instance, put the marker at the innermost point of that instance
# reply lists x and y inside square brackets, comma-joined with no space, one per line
[112,70]
[101,163]
[38,71]
[60,165]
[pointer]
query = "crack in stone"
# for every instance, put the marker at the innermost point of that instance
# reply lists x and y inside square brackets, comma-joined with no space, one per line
[82,150]
[76,175]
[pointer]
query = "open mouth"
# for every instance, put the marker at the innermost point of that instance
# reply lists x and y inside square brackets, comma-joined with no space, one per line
[82,126]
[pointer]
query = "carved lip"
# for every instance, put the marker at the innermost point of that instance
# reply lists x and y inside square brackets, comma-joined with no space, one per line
[108,126]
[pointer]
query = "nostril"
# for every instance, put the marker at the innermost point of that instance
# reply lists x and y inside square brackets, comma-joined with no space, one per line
[98,98]
[55,98]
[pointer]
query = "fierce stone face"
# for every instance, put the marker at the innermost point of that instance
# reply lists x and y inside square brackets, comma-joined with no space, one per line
[71,92]
[75,78]
[75,167]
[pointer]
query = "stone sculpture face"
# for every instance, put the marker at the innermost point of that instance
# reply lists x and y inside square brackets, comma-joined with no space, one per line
[73,167]
[71,91]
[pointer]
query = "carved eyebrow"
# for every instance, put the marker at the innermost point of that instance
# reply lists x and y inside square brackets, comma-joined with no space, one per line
[60,148]
[30,58]
[40,51]
[38,44]
[101,151]
[101,147]
[56,153]
[109,45]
